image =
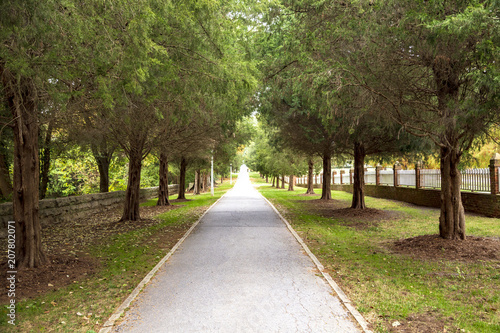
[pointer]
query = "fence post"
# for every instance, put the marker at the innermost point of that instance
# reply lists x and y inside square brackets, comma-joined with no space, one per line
[396,169]
[377,174]
[333,176]
[350,176]
[494,164]
[341,173]
[418,166]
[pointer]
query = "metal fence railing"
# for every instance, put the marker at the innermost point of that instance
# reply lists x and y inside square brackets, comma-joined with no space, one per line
[370,177]
[406,178]
[430,178]
[386,177]
[476,180]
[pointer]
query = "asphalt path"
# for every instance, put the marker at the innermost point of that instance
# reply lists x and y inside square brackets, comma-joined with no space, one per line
[240,270]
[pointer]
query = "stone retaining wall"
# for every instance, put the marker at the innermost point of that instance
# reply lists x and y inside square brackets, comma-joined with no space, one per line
[69,208]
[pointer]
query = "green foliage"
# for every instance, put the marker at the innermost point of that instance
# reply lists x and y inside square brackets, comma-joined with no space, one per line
[270,157]
[73,173]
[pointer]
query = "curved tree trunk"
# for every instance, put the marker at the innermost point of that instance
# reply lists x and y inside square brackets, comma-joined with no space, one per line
[272,185]
[358,194]
[132,194]
[310,175]
[163,184]
[22,102]
[102,155]
[291,183]
[452,219]
[182,179]
[45,161]
[326,193]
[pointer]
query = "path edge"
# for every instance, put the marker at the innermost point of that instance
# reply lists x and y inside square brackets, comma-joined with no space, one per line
[109,324]
[342,296]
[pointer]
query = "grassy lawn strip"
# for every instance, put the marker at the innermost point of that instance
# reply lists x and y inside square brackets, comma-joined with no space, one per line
[124,259]
[416,294]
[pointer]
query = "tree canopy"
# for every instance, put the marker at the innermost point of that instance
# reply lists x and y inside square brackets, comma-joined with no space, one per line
[181,79]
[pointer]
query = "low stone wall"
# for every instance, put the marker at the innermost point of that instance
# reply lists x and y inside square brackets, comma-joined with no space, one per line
[69,208]
[481,203]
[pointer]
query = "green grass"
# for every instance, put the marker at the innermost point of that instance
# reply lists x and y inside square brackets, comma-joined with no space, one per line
[125,259]
[386,286]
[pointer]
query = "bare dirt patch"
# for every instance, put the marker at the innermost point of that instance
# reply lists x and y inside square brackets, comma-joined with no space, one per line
[422,323]
[357,218]
[65,245]
[433,247]
[61,270]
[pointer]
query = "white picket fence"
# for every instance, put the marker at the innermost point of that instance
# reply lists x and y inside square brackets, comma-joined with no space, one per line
[474,180]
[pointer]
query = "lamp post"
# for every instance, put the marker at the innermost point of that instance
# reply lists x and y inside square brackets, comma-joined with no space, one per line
[231,174]
[212,176]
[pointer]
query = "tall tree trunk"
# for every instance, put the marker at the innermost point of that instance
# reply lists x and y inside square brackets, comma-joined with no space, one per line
[291,183]
[202,182]
[267,179]
[45,160]
[22,102]
[132,194]
[205,182]
[277,181]
[310,175]
[182,179]
[283,181]
[5,183]
[358,194]
[163,184]
[272,185]
[326,193]
[103,156]
[196,189]
[452,219]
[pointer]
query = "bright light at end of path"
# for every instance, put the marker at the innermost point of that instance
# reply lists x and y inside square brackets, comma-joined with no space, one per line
[243,185]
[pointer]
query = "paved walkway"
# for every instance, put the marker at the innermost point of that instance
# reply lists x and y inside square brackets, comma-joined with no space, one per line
[241,270]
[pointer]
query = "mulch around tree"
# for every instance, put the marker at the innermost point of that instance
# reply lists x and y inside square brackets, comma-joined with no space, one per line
[422,248]
[433,247]
[427,247]
[65,243]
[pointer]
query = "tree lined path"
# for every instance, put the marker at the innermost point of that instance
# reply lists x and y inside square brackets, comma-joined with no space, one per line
[241,270]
